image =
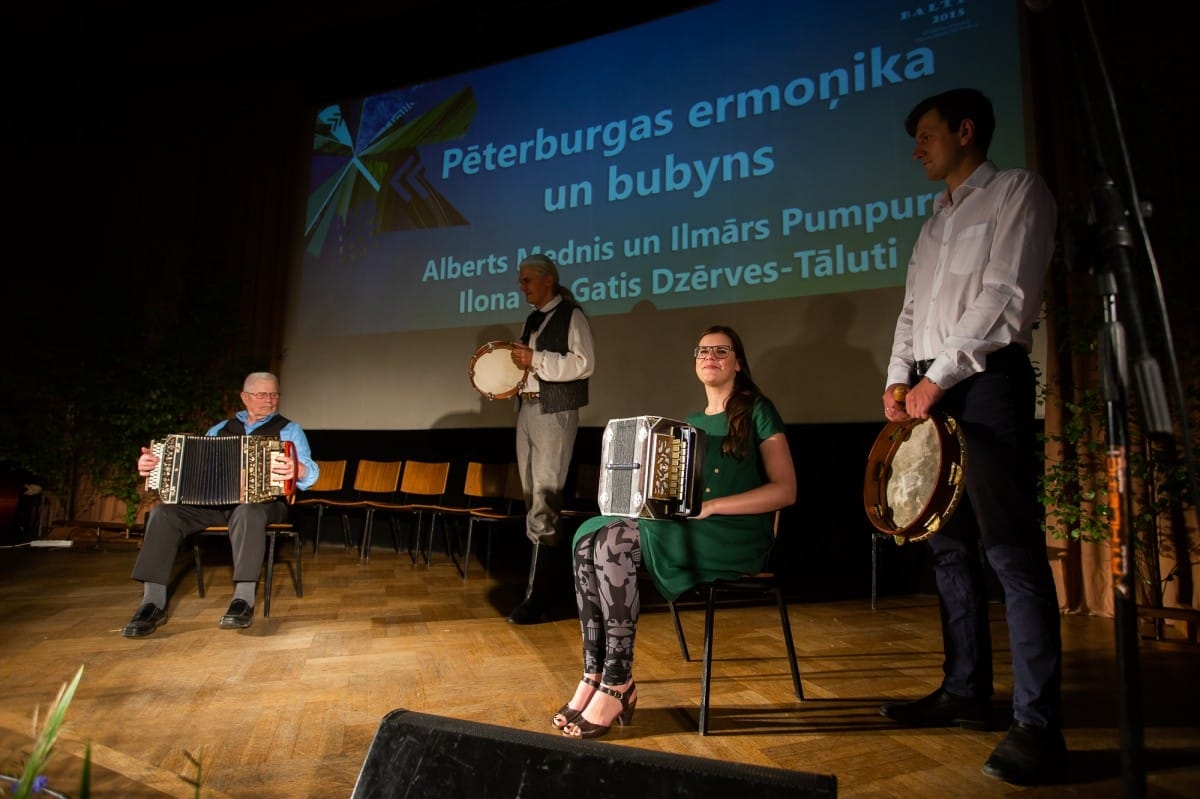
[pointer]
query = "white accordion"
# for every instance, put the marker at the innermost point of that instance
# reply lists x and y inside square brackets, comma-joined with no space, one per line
[217,470]
[651,468]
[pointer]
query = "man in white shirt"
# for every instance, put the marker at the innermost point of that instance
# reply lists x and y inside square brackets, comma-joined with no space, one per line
[961,347]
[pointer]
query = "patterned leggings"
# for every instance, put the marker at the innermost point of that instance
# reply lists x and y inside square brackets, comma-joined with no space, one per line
[606,591]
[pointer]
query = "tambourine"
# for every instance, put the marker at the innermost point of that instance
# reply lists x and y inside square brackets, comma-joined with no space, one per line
[916,475]
[493,372]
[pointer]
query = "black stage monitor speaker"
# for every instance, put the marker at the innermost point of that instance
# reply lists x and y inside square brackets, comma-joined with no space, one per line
[416,755]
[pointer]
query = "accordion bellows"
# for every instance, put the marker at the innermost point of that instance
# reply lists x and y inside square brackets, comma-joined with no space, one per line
[216,470]
[651,467]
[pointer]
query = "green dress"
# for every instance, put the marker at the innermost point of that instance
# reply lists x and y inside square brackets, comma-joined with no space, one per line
[678,554]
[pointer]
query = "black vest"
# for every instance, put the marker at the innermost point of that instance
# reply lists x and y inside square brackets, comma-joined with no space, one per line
[234,427]
[554,338]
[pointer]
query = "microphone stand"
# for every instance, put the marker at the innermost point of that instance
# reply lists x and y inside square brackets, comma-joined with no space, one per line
[1118,294]
[1113,364]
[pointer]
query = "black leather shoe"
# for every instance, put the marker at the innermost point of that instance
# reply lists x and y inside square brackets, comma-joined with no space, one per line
[942,709]
[149,617]
[1028,755]
[239,616]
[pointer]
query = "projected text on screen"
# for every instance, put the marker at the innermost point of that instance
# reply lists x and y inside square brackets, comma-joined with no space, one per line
[739,152]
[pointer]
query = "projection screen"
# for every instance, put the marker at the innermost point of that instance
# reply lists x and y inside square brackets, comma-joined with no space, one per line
[742,163]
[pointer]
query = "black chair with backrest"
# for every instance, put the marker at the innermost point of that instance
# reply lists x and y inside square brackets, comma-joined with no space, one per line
[287,529]
[329,486]
[765,583]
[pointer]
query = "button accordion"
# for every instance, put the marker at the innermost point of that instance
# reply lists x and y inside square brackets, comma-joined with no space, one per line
[651,468]
[218,470]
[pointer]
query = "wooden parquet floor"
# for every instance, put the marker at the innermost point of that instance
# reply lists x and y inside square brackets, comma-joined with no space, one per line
[289,707]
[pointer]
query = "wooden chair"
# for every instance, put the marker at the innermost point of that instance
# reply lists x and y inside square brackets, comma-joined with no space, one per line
[374,481]
[476,495]
[423,493]
[330,484]
[286,529]
[765,583]
[501,492]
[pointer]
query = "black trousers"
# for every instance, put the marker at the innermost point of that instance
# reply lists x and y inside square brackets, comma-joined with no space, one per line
[1001,516]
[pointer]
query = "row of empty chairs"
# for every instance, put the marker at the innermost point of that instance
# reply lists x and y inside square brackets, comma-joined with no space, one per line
[491,496]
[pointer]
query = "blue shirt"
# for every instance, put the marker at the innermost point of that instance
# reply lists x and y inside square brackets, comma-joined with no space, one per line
[291,432]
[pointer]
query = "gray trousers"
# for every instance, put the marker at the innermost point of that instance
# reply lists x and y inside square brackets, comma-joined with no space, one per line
[545,442]
[168,525]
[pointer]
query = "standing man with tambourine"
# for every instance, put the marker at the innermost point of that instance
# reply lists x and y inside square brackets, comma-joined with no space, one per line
[961,347]
[557,352]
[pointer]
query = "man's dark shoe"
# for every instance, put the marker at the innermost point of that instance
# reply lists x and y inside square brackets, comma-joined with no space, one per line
[531,611]
[1028,755]
[149,617]
[239,616]
[942,709]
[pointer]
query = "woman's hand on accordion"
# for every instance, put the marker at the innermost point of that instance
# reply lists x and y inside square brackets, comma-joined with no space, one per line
[146,462]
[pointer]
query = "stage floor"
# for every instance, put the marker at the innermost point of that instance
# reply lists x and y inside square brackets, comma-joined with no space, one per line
[289,707]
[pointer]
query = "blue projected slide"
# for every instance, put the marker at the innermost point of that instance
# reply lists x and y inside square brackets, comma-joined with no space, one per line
[740,152]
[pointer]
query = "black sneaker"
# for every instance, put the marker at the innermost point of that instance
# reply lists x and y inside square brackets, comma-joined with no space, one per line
[942,709]
[1028,755]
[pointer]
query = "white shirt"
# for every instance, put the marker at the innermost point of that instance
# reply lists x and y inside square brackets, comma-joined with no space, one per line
[578,362]
[976,275]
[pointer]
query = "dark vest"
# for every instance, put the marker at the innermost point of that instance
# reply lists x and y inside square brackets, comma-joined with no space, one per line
[572,394]
[234,427]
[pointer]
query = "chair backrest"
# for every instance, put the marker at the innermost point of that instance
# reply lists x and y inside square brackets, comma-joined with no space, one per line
[332,477]
[377,477]
[485,480]
[422,479]
[513,491]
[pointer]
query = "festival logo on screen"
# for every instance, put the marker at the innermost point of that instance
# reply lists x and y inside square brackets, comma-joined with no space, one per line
[939,18]
[367,172]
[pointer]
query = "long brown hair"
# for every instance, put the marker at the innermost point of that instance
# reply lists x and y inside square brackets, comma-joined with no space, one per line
[739,408]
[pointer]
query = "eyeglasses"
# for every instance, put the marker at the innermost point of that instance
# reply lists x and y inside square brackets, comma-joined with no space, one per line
[262,394]
[720,353]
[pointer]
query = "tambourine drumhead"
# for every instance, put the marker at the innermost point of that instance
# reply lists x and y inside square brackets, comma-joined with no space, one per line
[493,373]
[915,476]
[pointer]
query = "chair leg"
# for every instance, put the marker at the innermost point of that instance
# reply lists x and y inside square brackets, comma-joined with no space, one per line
[706,670]
[433,520]
[466,563]
[447,539]
[414,538]
[683,648]
[787,640]
[429,541]
[270,575]
[199,566]
[452,548]
[299,580]
[317,532]
[364,553]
